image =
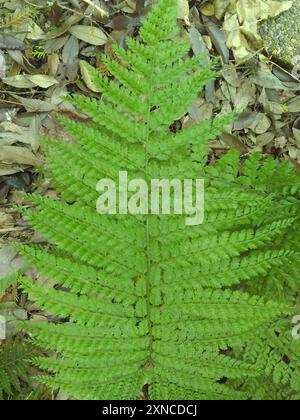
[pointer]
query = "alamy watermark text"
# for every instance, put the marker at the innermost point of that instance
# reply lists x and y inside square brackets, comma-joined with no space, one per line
[159,196]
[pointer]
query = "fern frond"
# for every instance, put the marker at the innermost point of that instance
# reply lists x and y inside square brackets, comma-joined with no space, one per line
[146,300]
[277,358]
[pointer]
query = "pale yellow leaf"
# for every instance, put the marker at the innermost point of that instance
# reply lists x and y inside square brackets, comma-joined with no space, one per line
[20,155]
[89,34]
[183,9]
[87,77]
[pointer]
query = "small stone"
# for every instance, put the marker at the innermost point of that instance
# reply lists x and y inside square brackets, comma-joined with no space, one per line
[281,35]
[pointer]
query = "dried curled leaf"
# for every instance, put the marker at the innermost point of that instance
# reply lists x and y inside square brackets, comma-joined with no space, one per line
[25,81]
[87,76]
[9,42]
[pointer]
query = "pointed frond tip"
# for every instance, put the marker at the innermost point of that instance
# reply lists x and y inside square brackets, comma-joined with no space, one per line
[161,22]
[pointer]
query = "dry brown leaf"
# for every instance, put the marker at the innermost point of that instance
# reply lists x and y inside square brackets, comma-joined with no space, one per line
[20,155]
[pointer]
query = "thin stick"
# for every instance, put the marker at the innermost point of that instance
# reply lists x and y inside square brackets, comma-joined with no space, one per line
[285,71]
[98,8]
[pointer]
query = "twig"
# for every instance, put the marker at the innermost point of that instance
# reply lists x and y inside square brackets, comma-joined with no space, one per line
[98,8]
[12,229]
[4,101]
[36,6]
[76,12]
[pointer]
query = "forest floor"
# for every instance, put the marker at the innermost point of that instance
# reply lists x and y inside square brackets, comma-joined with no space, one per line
[43,44]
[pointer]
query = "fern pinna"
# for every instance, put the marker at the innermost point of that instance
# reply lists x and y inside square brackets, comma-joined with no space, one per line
[146,302]
[15,368]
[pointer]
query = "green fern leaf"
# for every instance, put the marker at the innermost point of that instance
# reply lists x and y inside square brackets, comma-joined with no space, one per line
[14,366]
